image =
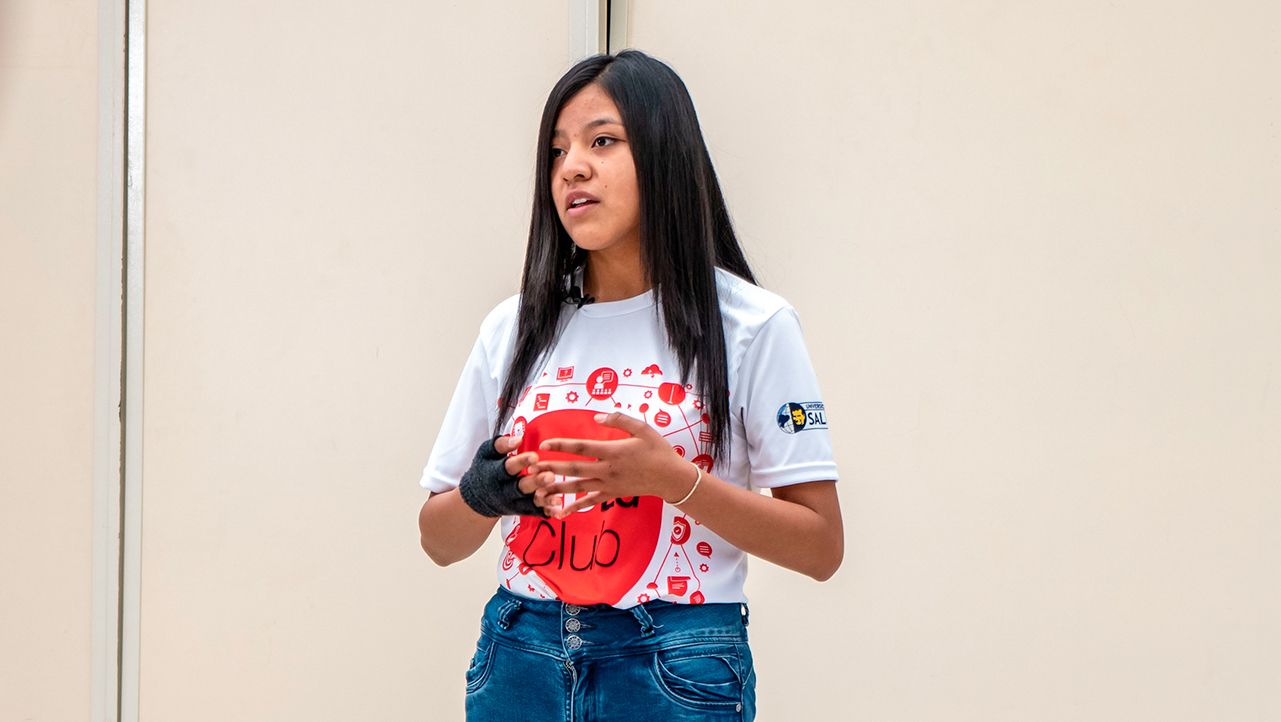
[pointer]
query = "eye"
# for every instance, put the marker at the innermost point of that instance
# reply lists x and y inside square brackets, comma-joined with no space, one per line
[603,141]
[557,152]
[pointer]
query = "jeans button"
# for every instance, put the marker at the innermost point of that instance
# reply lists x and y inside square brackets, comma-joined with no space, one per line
[573,641]
[572,609]
[573,625]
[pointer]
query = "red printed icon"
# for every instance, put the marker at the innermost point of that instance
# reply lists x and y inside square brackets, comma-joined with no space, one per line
[518,426]
[508,560]
[705,437]
[680,530]
[680,450]
[540,401]
[652,370]
[564,373]
[662,419]
[602,383]
[677,586]
[705,549]
[696,598]
[671,393]
[704,462]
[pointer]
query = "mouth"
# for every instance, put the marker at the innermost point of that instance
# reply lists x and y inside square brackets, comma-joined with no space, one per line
[579,204]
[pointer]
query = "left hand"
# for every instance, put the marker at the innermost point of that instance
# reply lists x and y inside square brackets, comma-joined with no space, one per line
[642,465]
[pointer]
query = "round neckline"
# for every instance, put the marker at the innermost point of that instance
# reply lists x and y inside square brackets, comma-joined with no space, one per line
[617,308]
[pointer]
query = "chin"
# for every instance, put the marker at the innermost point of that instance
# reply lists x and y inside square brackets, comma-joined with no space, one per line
[590,242]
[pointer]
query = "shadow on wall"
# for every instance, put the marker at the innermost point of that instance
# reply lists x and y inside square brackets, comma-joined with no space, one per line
[11,54]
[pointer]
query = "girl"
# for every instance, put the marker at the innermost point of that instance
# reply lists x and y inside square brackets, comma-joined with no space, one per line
[625,406]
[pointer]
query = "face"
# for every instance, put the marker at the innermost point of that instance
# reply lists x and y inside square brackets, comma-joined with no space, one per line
[593,176]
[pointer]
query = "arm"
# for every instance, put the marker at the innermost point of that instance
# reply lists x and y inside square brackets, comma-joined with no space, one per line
[799,527]
[450,531]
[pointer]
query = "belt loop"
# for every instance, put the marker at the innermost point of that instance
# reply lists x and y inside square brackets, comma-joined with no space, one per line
[645,621]
[746,615]
[508,611]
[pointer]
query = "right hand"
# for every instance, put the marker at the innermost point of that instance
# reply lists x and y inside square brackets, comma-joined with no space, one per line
[535,484]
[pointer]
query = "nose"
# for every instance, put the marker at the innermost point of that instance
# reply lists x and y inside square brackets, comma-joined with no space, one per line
[575,164]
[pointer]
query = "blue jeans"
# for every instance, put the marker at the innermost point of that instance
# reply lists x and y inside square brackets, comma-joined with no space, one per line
[543,660]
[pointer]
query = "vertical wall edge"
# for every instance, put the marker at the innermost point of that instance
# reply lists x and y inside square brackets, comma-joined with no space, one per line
[108,364]
[135,218]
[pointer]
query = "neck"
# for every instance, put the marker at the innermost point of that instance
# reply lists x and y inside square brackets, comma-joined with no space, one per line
[614,274]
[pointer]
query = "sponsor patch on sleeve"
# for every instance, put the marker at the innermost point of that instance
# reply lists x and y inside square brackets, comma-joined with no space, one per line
[796,417]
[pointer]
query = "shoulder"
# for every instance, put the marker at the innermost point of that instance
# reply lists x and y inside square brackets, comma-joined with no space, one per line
[502,320]
[761,327]
[498,330]
[746,307]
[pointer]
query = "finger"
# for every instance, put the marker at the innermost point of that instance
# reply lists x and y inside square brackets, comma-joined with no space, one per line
[507,444]
[533,483]
[515,464]
[583,501]
[575,486]
[571,468]
[619,420]
[551,504]
[581,447]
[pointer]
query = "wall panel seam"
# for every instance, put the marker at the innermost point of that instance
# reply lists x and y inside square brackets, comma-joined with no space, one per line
[134,265]
[108,456]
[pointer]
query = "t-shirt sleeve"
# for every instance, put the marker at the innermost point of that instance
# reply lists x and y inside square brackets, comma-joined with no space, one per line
[467,423]
[782,409]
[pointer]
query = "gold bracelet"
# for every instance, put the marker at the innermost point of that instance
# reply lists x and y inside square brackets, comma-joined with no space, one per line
[692,488]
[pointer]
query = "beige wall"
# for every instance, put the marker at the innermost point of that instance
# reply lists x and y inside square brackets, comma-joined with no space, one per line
[336,197]
[1037,251]
[48,138]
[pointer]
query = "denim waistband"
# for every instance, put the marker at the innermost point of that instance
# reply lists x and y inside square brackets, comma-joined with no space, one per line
[570,630]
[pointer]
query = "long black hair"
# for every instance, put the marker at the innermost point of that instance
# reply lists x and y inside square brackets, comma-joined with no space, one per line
[685,230]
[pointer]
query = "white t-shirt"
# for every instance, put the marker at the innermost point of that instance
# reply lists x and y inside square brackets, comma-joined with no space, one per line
[614,357]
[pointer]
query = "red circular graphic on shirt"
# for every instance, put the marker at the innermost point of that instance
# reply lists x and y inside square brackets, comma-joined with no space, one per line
[598,554]
[680,530]
[680,450]
[602,383]
[671,393]
[704,462]
[508,560]
[662,419]
[696,598]
[518,426]
[705,549]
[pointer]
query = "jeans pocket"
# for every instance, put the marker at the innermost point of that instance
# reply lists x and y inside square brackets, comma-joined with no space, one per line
[702,677]
[478,670]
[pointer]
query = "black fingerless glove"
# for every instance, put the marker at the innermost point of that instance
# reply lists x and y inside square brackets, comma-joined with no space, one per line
[490,491]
